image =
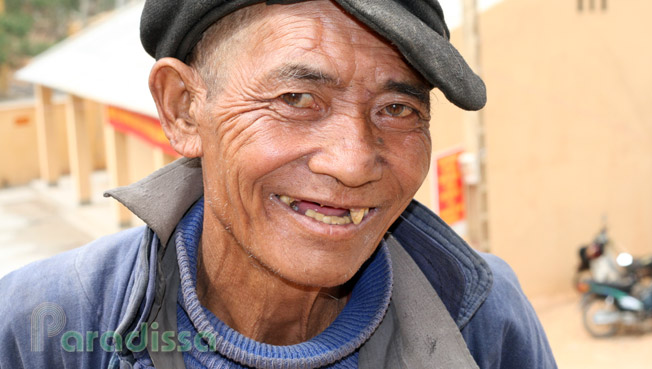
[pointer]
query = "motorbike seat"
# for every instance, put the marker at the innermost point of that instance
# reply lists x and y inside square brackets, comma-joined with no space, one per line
[625,285]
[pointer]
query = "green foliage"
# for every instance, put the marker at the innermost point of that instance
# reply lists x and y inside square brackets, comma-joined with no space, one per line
[42,4]
[33,48]
[14,31]
[28,27]
[12,6]
[4,47]
[16,24]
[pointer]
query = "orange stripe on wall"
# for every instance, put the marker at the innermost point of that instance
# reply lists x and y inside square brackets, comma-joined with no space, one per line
[145,127]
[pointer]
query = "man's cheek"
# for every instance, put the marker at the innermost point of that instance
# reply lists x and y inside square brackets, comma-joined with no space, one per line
[266,150]
[420,150]
[414,150]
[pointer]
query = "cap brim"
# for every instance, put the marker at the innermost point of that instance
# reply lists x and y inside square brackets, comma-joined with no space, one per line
[430,53]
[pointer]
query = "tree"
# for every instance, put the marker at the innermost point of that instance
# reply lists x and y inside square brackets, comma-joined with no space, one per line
[28,27]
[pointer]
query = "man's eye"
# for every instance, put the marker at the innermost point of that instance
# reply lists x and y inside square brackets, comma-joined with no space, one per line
[299,100]
[398,110]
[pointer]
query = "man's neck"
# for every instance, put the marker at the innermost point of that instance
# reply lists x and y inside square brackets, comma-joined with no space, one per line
[256,302]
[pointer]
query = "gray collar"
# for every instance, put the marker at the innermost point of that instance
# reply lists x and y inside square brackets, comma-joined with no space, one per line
[162,198]
[417,331]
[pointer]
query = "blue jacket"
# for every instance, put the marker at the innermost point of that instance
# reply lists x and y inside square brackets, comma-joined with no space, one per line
[60,312]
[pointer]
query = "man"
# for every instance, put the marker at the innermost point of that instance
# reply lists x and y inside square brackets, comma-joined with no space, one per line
[288,238]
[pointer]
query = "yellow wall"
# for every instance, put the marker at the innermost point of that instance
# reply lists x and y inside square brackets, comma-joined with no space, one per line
[18,162]
[19,159]
[569,132]
[94,116]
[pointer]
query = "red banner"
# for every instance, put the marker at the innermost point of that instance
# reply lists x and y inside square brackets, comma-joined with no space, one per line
[143,126]
[450,188]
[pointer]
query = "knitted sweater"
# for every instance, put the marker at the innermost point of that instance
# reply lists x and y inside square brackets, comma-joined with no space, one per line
[222,347]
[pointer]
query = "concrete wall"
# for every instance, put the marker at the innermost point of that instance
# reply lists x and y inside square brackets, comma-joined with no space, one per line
[569,132]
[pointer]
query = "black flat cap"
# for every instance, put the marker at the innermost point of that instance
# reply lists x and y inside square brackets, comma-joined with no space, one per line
[417,28]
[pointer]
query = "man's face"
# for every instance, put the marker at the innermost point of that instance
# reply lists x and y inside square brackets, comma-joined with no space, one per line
[314,114]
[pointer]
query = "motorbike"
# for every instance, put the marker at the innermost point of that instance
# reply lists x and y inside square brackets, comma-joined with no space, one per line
[599,263]
[609,306]
[589,256]
[617,289]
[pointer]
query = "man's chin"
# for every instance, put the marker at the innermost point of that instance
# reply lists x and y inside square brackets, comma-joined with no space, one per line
[320,281]
[321,271]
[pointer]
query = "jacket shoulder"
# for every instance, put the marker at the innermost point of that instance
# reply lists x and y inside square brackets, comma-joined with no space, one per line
[461,278]
[505,331]
[81,291]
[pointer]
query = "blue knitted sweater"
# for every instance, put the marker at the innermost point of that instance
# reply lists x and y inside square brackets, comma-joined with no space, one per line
[222,347]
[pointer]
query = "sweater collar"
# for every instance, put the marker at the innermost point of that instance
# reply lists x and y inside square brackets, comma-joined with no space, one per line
[356,323]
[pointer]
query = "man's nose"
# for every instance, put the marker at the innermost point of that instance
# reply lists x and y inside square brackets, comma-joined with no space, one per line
[349,152]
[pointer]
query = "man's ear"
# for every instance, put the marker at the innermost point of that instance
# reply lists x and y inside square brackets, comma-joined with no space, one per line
[177,89]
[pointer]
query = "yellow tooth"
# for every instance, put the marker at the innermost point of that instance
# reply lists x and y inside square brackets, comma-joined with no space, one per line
[339,220]
[357,215]
[328,219]
[311,213]
[366,211]
[286,199]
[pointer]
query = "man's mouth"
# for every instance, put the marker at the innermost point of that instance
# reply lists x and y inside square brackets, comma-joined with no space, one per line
[325,214]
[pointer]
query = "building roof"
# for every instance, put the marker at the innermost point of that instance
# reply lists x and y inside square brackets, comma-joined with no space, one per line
[104,62]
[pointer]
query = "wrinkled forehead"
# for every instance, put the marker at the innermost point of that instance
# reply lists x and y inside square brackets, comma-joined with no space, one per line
[320,40]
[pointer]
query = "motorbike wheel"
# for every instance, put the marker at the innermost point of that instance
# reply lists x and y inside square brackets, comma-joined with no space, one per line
[599,305]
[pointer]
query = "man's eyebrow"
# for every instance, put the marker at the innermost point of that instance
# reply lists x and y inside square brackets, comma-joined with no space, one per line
[301,72]
[292,71]
[418,91]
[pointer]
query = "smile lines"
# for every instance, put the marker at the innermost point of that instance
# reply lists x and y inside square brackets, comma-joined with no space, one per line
[325,214]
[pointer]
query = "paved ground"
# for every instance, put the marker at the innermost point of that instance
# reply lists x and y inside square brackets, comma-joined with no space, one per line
[37,221]
[574,348]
